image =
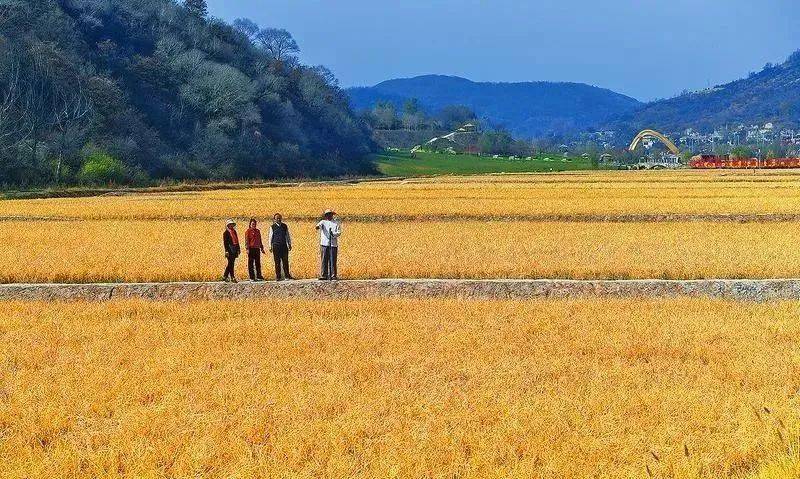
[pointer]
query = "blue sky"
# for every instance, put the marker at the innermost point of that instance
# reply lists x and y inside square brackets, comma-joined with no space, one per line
[644,48]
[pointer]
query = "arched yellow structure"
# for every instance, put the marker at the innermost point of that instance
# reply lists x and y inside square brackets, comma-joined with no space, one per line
[654,134]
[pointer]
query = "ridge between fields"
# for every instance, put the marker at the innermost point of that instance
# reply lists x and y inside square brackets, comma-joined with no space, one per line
[734,289]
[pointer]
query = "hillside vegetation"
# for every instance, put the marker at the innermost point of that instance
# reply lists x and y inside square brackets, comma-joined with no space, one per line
[771,95]
[530,109]
[99,91]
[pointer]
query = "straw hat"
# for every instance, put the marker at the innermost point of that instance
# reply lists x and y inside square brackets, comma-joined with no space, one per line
[230,222]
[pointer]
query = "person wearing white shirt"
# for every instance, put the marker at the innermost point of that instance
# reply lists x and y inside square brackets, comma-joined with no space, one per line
[330,228]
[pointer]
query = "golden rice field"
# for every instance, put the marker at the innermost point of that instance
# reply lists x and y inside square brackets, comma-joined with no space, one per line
[667,224]
[605,193]
[410,388]
[683,388]
[135,250]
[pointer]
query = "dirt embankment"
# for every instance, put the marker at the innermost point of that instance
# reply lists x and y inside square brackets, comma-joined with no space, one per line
[739,289]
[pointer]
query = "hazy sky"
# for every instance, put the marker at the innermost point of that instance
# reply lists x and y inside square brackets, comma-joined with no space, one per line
[644,48]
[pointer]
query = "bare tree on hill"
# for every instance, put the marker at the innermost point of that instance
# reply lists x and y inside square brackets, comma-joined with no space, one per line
[278,43]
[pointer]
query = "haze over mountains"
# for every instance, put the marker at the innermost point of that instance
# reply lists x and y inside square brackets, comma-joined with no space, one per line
[527,110]
[536,109]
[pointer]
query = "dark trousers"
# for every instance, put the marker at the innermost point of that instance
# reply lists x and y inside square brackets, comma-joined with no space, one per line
[254,263]
[230,268]
[329,255]
[280,253]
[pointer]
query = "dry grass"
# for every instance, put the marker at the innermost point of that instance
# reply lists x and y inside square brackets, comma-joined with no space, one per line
[399,388]
[91,251]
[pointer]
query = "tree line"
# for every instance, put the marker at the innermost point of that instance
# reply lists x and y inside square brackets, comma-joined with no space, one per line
[131,91]
[411,116]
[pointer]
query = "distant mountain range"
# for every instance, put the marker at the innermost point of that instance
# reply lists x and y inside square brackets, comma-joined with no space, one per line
[536,109]
[530,109]
[771,95]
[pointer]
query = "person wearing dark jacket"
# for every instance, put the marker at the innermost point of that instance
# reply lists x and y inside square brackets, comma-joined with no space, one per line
[254,249]
[230,241]
[280,243]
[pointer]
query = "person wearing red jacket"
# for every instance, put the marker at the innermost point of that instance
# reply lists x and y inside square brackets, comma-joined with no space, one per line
[255,247]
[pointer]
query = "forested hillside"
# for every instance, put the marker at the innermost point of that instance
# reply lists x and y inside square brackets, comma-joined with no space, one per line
[528,109]
[771,95]
[133,90]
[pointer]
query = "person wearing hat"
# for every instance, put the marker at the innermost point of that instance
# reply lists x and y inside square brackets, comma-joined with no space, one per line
[280,243]
[254,249]
[330,228]
[230,241]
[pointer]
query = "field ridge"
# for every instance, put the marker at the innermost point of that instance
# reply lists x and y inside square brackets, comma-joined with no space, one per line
[732,289]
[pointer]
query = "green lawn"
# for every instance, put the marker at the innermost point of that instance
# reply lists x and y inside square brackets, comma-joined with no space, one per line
[400,163]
